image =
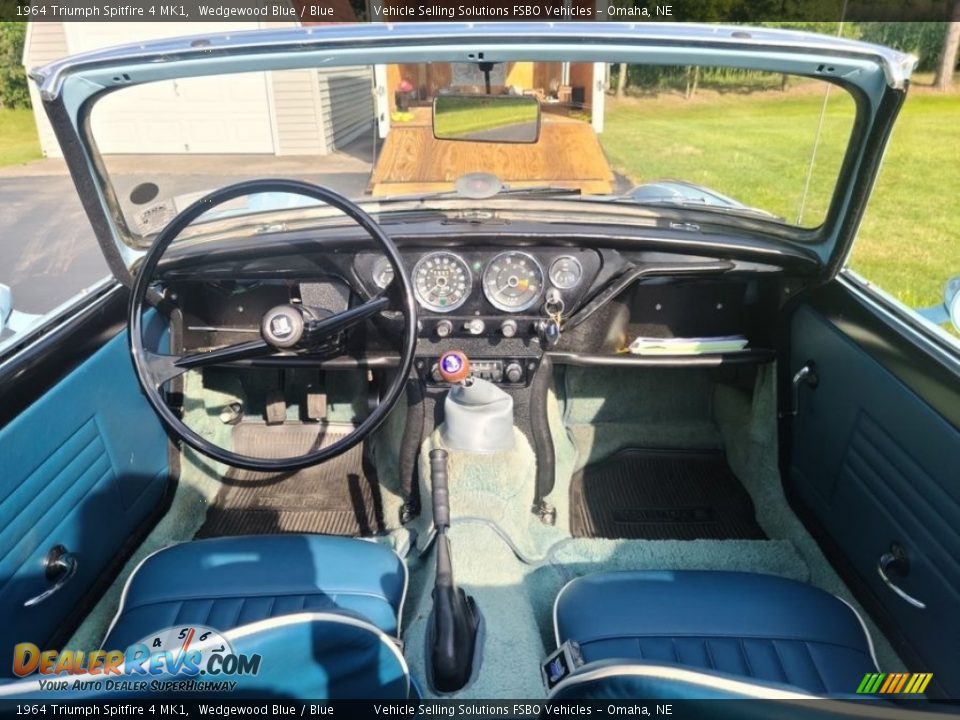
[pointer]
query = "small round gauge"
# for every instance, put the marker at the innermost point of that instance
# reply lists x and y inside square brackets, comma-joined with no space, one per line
[513,281]
[442,281]
[382,272]
[566,272]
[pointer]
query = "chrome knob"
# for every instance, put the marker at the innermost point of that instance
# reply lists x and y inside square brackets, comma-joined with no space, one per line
[508,328]
[444,328]
[476,326]
[513,373]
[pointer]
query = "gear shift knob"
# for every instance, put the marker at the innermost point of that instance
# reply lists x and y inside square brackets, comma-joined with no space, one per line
[454,366]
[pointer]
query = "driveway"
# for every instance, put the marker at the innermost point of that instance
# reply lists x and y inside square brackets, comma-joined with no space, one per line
[48,252]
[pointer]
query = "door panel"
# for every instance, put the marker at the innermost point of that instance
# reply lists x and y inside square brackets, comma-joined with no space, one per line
[84,466]
[878,465]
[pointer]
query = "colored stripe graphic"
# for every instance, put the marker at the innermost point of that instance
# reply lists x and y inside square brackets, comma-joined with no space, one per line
[890,682]
[903,681]
[894,683]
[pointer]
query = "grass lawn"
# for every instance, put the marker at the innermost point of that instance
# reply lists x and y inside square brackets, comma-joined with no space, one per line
[756,147]
[459,117]
[18,137]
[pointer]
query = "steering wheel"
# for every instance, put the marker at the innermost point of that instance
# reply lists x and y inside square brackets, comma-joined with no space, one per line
[286,331]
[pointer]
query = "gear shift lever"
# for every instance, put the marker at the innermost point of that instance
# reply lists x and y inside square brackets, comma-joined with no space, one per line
[455,620]
[478,416]
[455,367]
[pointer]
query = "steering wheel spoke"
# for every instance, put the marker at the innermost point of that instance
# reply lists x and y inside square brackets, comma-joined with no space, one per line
[164,367]
[348,318]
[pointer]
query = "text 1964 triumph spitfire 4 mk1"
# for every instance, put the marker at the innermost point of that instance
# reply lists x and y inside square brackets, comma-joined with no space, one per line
[431,369]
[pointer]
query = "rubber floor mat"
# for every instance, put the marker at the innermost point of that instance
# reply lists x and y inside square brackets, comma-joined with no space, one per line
[661,495]
[338,497]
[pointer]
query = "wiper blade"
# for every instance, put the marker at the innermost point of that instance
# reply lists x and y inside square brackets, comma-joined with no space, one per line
[535,190]
[540,190]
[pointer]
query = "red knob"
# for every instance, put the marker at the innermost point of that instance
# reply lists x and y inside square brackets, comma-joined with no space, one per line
[454,366]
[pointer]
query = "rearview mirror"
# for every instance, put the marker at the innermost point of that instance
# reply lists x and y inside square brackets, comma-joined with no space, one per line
[487,118]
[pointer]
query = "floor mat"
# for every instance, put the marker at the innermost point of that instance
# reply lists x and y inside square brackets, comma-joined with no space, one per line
[338,497]
[661,495]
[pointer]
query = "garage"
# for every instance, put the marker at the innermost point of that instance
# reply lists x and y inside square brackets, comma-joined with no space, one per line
[313,111]
[195,115]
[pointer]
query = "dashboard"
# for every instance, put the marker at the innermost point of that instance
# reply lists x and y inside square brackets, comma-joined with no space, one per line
[493,298]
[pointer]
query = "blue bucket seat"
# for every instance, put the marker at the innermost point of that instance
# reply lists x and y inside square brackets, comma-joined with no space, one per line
[322,612]
[708,634]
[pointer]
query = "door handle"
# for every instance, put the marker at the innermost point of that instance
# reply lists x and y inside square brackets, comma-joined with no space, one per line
[805,375]
[895,561]
[61,566]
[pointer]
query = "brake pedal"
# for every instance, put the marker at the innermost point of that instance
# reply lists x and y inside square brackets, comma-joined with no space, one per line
[276,408]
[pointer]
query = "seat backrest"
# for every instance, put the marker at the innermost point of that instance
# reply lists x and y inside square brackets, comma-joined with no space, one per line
[320,655]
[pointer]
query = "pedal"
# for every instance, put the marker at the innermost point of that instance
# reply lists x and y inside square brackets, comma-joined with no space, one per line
[276,408]
[316,405]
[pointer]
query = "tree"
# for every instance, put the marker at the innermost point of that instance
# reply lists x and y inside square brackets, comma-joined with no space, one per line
[13,80]
[621,80]
[951,46]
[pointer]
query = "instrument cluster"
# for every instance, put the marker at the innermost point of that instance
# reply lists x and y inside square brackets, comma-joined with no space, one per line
[487,291]
[512,281]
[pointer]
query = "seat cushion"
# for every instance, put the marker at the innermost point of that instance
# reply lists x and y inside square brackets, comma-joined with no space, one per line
[227,582]
[755,626]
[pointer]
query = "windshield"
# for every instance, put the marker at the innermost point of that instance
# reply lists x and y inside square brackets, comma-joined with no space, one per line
[731,141]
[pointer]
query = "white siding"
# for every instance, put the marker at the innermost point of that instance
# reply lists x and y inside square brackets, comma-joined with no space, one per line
[314,111]
[45,42]
[346,96]
[298,113]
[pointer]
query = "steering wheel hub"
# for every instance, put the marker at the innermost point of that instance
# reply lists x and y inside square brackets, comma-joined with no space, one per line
[282,326]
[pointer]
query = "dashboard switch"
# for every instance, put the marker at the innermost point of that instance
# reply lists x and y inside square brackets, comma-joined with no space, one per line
[475,326]
[444,328]
[508,328]
[513,373]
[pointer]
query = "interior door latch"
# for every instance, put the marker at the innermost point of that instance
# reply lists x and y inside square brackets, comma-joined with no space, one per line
[895,562]
[807,375]
[60,566]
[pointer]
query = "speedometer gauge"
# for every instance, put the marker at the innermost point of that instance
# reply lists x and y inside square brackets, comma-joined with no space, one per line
[513,281]
[441,281]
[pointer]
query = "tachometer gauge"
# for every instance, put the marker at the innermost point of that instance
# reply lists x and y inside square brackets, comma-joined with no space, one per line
[441,281]
[513,281]
[382,272]
[566,272]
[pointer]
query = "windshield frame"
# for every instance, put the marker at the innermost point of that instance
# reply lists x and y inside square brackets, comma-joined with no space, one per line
[870,73]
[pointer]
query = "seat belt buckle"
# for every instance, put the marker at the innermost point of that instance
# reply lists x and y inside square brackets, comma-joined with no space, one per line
[561,663]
